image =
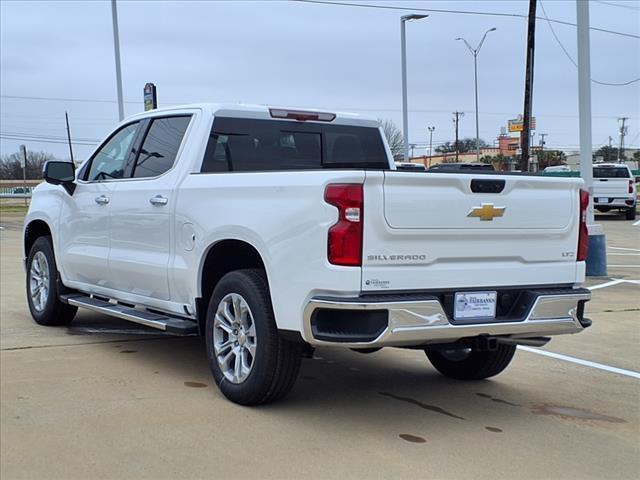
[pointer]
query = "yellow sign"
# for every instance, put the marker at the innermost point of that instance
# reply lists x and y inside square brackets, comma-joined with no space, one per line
[486,212]
[516,124]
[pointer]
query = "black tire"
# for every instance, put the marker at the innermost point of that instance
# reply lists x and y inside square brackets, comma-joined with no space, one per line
[277,361]
[630,213]
[474,365]
[52,312]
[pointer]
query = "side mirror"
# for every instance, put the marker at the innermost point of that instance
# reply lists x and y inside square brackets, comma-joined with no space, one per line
[60,173]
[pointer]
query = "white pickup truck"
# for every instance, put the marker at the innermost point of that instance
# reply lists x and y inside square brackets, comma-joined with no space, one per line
[272,231]
[614,188]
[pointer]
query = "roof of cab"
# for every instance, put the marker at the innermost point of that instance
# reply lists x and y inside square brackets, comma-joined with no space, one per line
[239,110]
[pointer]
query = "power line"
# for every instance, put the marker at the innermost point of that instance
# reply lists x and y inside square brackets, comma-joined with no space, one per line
[28,140]
[42,135]
[610,84]
[611,4]
[61,99]
[461,12]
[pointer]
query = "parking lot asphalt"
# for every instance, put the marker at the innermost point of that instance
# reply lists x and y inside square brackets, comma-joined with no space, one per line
[104,398]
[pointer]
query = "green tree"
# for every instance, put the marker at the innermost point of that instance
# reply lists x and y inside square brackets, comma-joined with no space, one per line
[498,161]
[608,154]
[550,158]
[464,146]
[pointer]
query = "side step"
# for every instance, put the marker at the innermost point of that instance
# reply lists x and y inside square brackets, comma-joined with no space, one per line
[177,326]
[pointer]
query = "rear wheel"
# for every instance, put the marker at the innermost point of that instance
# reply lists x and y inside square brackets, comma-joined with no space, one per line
[630,213]
[42,286]
[250,362]
[470,364]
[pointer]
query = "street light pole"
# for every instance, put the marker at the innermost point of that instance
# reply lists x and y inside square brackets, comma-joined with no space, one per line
[431,129]
[116,50]
[596,264]
[405,114]
[475,52]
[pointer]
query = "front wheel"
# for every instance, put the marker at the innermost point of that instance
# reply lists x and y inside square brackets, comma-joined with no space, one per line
[42,286]
[470,364]
[250,362]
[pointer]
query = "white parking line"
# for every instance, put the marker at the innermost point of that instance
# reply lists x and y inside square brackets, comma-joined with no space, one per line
[625,266]
[606,284]
[586,363]
[612,282]
[636,223]
[625,254]
[623,248]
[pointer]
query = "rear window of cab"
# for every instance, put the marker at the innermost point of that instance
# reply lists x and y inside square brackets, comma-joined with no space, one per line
[249,145]
[611,172]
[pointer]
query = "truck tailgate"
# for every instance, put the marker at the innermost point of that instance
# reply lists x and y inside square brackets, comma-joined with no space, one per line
[610,187]
[435,230]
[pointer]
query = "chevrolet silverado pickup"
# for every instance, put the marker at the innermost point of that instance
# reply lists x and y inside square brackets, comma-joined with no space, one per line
[614,187]
[272,231]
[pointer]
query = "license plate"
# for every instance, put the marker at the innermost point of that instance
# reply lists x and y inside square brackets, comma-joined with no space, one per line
[475,305]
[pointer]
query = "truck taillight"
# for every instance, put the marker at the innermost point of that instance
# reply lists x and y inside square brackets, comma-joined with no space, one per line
[583,233]
[630,186]
[344,244]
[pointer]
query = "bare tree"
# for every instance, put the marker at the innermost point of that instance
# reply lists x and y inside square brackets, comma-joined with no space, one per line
[10,168]
[394,137]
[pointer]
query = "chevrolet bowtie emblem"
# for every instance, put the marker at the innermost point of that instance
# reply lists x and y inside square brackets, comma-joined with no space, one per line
[486,212]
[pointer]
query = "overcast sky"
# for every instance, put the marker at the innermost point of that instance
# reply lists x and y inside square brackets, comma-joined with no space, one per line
[302,54]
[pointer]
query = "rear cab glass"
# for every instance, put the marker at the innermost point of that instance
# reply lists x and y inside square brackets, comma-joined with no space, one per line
[250,145]
[611,172]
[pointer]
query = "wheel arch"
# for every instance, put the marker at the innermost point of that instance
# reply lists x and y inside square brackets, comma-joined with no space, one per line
[33,230]
[220,258]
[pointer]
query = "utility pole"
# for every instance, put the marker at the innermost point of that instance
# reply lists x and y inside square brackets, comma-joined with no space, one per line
[528,86]
[24,173]
[431,129]
[623,132]
[66,117]
[456,120]
[610,139]
[116,50]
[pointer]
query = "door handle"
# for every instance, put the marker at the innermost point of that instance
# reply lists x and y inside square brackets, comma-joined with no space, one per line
[102,200]
[158,200]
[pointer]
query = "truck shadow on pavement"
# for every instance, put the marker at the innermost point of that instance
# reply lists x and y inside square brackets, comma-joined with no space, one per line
[391,390]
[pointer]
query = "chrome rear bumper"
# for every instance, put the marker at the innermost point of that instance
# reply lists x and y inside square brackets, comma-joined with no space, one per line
[415,321]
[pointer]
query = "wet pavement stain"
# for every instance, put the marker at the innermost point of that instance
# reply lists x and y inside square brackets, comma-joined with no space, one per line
[493,429]
[195,384]
[572,413]
[431,408]
[497,400]
[411,438]
[128,351]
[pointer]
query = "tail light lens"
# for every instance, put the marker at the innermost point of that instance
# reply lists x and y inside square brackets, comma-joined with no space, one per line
[583,233]
[344,245]
[630,186]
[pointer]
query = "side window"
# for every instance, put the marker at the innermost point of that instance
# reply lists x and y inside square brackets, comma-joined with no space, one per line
[109,161]
[160,147]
